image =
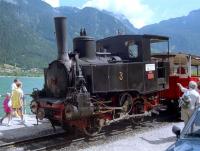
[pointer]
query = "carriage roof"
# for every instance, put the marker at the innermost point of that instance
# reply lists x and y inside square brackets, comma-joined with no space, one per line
[179,58]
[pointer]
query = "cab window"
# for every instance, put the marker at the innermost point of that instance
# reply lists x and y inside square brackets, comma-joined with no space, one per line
[132,50]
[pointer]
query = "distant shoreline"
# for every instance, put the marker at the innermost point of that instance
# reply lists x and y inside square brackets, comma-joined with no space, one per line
[21,74]
[10,70]
[2,76]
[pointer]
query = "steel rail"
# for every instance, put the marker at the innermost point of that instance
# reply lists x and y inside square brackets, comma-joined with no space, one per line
[30,139]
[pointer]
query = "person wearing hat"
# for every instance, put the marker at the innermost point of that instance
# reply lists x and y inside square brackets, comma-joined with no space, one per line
[189,101]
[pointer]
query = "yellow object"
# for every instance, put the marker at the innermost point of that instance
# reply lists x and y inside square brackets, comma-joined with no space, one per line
[16,98]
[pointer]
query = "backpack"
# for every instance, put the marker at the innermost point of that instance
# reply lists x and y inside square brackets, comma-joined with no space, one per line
[185,101]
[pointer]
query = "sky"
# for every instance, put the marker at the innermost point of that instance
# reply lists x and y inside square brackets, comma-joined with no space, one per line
[139,12]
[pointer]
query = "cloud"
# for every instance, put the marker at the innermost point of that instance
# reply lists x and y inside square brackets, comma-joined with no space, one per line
[53,3]
[138,14]
[10,1]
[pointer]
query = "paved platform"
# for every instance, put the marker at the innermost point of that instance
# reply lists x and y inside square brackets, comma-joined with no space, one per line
[28,129]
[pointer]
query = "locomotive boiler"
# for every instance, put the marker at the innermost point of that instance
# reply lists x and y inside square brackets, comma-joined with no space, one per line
[100,82]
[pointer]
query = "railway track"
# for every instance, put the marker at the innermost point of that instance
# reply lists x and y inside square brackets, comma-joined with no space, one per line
[15,144]
[64,140]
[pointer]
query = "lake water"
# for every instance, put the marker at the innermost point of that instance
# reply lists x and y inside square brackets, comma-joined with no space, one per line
[28,84]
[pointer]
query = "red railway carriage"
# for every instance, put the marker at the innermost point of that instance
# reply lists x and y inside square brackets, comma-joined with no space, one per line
[183,69]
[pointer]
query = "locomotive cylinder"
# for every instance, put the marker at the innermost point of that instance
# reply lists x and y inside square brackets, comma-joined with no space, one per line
[61,37]
[84,107]
[85,46]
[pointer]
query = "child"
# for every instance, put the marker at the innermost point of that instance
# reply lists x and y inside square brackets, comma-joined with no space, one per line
[7,109]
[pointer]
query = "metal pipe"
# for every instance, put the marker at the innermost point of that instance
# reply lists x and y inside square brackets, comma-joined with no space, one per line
[168,50]
[127,116]
[189,66]
[61,37]
[111,108]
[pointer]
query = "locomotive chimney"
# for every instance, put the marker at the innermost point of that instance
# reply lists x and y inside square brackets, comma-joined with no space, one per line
[61,36]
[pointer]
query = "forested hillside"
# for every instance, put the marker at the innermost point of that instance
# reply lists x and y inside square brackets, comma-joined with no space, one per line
[24,36]
[27,30]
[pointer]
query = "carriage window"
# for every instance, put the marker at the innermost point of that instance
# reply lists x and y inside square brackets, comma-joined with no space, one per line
[133,50]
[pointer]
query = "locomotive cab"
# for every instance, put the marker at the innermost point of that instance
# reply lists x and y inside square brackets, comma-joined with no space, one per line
[135,53]
[133,48]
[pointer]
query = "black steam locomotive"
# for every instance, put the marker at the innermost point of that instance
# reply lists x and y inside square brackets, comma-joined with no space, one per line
[100,82]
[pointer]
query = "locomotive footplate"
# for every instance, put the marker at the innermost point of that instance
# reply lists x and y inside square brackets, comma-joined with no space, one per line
[51,100]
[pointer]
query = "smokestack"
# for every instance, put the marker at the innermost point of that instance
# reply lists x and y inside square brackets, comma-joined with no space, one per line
[61,36]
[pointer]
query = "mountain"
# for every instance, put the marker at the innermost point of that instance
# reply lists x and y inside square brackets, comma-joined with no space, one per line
[98,24]
[27,30]
[124,20]
[184,32]
[25,33]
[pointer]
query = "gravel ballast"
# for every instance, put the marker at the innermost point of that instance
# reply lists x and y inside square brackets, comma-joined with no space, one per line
[157,139]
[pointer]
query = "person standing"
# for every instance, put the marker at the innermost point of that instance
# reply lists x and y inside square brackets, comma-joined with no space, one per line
[13,87]
[17,100]
[7,109]
[189,101]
